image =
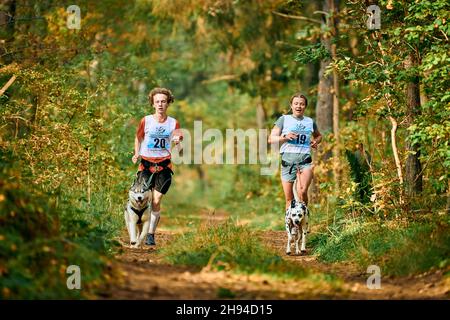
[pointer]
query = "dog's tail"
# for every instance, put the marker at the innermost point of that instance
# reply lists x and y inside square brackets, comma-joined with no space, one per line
[294,190]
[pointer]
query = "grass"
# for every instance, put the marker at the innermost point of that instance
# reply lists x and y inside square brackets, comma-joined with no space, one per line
[224,293]
[181,216]
[398,249]
[227,246]
[338,236]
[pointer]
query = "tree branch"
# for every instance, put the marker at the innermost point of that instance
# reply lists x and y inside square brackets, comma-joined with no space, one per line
[7,85]
[289,16]
[220,78]
[394,148]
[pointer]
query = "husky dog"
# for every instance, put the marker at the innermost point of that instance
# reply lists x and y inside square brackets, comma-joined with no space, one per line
[296,223]
[138,208]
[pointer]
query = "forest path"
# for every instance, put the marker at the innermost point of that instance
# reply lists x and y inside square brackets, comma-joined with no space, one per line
[143,274]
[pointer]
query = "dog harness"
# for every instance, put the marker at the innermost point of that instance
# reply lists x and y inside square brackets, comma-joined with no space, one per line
[287,164]
[139,213]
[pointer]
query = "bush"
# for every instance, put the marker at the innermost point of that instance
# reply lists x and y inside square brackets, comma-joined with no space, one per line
[397,249]
[38,243]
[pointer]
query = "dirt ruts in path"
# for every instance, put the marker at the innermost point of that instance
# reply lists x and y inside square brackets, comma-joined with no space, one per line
[430,285]
[144,275]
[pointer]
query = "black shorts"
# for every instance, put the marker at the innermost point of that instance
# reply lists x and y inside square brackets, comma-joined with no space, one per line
[161,181]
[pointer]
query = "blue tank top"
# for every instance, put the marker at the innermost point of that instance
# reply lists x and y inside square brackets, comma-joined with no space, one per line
[303,127]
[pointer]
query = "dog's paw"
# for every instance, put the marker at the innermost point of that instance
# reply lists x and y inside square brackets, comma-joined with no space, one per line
[288,253]
[133,243]
[303,252]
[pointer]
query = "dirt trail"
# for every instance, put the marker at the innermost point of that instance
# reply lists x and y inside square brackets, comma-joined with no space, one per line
[144,275]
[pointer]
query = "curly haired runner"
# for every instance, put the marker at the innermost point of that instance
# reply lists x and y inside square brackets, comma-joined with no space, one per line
[293,132]
[152,144]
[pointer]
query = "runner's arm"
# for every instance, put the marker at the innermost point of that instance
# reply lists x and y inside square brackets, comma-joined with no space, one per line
[138,139]
[177,135]
[137,147]
[317,137]
[275,136]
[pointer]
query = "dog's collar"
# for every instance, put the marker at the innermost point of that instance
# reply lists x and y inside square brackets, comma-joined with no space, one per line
[139,213]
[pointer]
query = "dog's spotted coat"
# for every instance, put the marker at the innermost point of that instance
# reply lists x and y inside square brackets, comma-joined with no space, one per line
[296,220]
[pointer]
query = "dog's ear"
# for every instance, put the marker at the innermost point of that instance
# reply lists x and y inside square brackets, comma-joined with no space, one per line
[293,203]
[290,223]
[147,182]
[305,208]
[134,181]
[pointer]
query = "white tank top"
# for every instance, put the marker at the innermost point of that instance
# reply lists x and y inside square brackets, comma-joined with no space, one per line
[157,137]
[304,128]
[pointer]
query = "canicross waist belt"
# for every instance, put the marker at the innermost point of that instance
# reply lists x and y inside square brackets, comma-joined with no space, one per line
[292,165]
[156,166]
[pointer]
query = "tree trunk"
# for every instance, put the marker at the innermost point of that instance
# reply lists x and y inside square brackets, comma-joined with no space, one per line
[201,178]
[310,77]
[413,168]
[261,117]
[7,22]
[333,26]
[7,17]
[324,106]
[447,207]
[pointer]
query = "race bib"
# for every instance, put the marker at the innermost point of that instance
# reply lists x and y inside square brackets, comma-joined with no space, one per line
[158,142]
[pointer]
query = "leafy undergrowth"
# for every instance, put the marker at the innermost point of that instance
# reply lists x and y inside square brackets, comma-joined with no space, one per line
[234,248]
[397,249]
[39,240]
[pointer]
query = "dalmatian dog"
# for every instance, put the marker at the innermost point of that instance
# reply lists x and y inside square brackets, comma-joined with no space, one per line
[296,224]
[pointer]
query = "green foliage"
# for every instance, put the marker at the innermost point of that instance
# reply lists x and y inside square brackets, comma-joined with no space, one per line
[312,53]
[411,47]
[224,293]
[38,243]
[398,249]
[360,174]
[69,119]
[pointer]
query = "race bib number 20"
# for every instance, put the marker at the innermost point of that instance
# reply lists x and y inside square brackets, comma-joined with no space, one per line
[157,143]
